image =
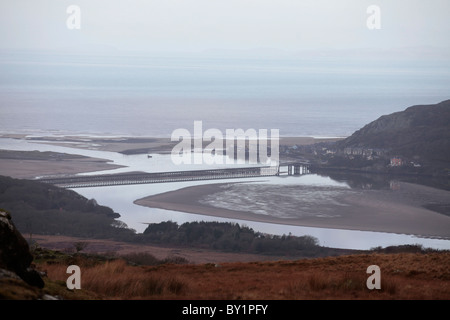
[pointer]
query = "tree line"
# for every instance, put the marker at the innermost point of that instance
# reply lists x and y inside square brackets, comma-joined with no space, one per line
[227,236]
[40,208]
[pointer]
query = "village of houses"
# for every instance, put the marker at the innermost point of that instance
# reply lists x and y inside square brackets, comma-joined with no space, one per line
[325,153]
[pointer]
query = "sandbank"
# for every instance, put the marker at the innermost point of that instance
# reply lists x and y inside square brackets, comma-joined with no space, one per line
[367,211]
[31,169]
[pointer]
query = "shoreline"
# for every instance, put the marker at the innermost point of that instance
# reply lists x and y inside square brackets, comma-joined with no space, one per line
[370,213]
[124,144]
[28,168]
[32,169]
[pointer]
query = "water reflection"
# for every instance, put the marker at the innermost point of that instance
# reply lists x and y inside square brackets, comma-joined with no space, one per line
[121,198]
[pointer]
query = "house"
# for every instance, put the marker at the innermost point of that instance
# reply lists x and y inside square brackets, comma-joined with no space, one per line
[354,151]
[396,162]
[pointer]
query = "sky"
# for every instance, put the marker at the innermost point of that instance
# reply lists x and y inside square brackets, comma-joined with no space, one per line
[225,25]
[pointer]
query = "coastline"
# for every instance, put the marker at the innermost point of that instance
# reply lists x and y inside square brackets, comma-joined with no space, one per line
[373,212]
[29,168]
[127,145]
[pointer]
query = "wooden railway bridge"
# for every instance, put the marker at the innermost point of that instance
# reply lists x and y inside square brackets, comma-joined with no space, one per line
[103,180]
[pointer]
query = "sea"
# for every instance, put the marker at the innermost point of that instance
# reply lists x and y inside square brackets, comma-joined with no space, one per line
[151,95]
[154,94]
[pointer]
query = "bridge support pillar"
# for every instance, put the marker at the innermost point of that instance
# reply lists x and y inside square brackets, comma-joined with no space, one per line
[290,172]
[297,169]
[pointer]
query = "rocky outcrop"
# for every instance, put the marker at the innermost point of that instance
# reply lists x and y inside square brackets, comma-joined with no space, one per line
[420,132]
[15,253]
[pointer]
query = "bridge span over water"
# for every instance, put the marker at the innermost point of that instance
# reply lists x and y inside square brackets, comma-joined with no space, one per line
[104,180]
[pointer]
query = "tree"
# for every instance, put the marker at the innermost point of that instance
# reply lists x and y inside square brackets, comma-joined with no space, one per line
[80,246]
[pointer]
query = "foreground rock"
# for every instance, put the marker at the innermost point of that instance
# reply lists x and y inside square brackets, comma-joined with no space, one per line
[15,256]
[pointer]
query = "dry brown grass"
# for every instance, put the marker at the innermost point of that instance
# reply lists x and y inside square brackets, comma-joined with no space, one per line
[117,280]
[403,276]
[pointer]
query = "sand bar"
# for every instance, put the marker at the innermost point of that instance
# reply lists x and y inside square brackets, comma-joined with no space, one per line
[30,169]
[368,211]
[132,145]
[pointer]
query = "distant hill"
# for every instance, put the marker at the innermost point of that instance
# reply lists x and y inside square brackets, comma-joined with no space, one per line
[420,132]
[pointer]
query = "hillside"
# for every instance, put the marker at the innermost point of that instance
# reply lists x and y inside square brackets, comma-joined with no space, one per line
[35,273]
[41,208]
[414,275]
[421,133]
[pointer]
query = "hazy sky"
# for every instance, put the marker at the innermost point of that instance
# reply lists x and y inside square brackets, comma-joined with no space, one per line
[198,25]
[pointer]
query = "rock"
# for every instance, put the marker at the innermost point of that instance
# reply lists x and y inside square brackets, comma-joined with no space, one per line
[12,287]
[15,253]
[49,297]
[6,274]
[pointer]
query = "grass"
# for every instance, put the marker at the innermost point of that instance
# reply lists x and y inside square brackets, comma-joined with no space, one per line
[147,259]
[112,279]
[346,285]
[403,276]
[116,279]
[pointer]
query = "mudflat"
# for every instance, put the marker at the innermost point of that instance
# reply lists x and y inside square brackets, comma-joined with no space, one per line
[28,168]
[372,210]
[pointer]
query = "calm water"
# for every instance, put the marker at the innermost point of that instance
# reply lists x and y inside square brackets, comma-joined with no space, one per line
[323,193]
[154,95]
[121,199]
[44,94]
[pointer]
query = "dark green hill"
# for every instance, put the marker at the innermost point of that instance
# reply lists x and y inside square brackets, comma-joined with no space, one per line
[421,133]
[41,208]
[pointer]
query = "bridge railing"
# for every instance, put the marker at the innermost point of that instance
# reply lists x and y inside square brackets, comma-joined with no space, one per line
[161,177]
